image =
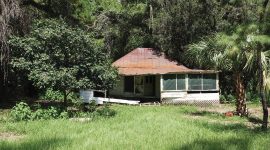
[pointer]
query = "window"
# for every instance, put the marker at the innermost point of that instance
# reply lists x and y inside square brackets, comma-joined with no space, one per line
[181,82]
[169,82]
[199,82]
[174,82]
[209,82]
[129,84]
[195,82]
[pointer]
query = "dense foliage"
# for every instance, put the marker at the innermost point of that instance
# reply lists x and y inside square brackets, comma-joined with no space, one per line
[62,58]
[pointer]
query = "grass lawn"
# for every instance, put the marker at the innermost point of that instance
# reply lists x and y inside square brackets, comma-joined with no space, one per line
[134,127]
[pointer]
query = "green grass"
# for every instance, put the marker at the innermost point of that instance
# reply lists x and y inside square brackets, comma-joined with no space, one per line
[133,127]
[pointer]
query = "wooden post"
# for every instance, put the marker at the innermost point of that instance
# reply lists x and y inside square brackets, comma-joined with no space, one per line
[186,82]
[161,87]
[217,81]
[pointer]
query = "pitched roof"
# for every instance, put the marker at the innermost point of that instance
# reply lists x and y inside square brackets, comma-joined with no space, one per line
[143,61]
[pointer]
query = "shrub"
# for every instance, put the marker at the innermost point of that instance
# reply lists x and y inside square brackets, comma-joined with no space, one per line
[91,107]
[253,96]
[222,99]
[21,112]
[231,98]
[45,114]
[227,98]
[64,115]
[106,111]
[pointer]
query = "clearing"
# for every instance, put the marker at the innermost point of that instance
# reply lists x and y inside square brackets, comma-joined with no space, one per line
[135,127]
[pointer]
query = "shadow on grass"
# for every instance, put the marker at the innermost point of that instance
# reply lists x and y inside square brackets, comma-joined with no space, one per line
[253,120]
[35,144]
[205,113]
[216,144]
[244,139]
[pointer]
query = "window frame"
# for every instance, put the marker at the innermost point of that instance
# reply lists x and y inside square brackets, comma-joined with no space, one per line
[202,78]
[216,85]
[175,82]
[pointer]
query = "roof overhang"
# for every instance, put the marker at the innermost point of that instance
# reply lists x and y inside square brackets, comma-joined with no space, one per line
[146,61]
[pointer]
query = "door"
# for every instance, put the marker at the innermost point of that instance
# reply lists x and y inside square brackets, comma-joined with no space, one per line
[139,87]
[149,85]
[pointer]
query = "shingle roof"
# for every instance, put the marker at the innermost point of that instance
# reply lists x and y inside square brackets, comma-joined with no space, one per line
[143,61]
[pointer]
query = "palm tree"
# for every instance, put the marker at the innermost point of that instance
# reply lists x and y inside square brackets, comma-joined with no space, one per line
[234,52]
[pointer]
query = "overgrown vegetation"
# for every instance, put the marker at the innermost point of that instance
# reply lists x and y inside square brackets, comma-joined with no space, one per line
[164,127]
[23,112]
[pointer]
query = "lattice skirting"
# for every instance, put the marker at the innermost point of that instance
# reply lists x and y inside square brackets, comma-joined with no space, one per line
[191,102]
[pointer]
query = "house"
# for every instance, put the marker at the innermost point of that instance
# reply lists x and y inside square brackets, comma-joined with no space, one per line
[148,74]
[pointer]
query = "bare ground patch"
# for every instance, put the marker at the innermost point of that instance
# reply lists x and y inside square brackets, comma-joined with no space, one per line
[10,136]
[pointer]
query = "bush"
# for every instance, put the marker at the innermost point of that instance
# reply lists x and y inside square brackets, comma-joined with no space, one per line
[64,115]
[227,98]
[91,107]
[253,97]
[222,99]
[231,98]
[45,114]
[21,112]
[106,111]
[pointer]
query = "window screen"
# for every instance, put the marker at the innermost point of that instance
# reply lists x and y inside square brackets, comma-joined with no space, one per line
[181,84]
[169,82]
[209,82]
[195,82]
[129,84]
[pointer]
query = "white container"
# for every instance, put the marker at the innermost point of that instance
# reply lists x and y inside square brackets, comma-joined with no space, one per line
[87,95]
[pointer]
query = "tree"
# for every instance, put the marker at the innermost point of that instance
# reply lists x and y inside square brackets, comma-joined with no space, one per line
[61,57]
[263,17]
[9,12]
[229,52]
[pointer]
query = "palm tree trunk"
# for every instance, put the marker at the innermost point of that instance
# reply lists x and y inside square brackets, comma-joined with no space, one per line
[262,91]
[263,16]
[240,95]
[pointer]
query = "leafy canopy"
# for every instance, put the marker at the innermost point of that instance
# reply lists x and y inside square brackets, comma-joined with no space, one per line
[63,58]
[233,51]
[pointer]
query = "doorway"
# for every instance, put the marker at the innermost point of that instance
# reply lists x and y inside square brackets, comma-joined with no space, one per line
[149,85]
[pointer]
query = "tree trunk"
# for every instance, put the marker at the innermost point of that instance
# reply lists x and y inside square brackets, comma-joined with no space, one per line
[151,17]
[263,18]
[3,88]
[262,91]
[240,95]
[65,99]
